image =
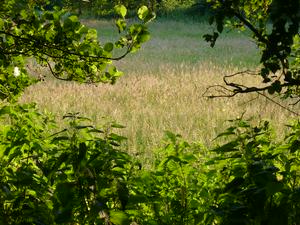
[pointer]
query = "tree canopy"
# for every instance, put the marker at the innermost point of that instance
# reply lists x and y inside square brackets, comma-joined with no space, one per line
[58,40]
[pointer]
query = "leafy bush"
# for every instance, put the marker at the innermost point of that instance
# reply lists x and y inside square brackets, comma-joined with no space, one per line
[250,179]
[257,178]
[169,192]
[77,175]
[80,175]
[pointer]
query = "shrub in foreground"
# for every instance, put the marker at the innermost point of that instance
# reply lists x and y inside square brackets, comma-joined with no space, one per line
[79,175]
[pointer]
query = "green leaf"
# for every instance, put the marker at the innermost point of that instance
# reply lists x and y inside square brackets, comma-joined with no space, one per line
[143,37]
[273,188]
[271,90]
[121,10]
[73,18]
[220,27]
[4,110]
[83,30]
[119,218]
[117,137]
[171,136]
[228,132]
[277,86]
[228,147]
[1,23]
[65,192]
[121,25]
[71,22]
[91,35]
[143,12]
[189,157]
[295,146]
[108,47]
[116,125]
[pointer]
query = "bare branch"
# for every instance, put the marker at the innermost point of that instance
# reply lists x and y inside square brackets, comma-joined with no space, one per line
[231,89]
[55,74]
[224,92]
[296,102]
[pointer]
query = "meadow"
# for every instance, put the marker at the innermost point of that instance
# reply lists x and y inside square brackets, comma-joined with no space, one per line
[162,87]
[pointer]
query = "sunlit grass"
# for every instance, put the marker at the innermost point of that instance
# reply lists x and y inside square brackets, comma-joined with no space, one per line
[163,86]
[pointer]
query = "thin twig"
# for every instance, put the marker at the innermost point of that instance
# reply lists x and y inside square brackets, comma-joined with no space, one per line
[55,74]
[233,89]
[277,103]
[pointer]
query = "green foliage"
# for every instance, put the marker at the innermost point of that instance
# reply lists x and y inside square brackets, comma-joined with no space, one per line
[104,8]
[168,5]
[258,180]
[59,41]
[169,193]
[13,81]
[248,180]
[77,175]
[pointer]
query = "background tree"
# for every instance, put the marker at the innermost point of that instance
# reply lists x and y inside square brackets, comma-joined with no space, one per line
[274,25]
[261,184]
[100,8]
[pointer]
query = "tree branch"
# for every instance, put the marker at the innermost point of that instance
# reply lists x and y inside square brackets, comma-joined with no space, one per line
[55,74]
[33,41]
[252,28]
[232,89]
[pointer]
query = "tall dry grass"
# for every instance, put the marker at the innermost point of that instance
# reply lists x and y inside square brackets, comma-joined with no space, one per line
[162,89]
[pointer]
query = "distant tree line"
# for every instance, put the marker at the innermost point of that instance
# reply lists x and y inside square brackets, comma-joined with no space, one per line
[105,7]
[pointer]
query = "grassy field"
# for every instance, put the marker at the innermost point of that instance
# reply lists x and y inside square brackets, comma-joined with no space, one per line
[163,86]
